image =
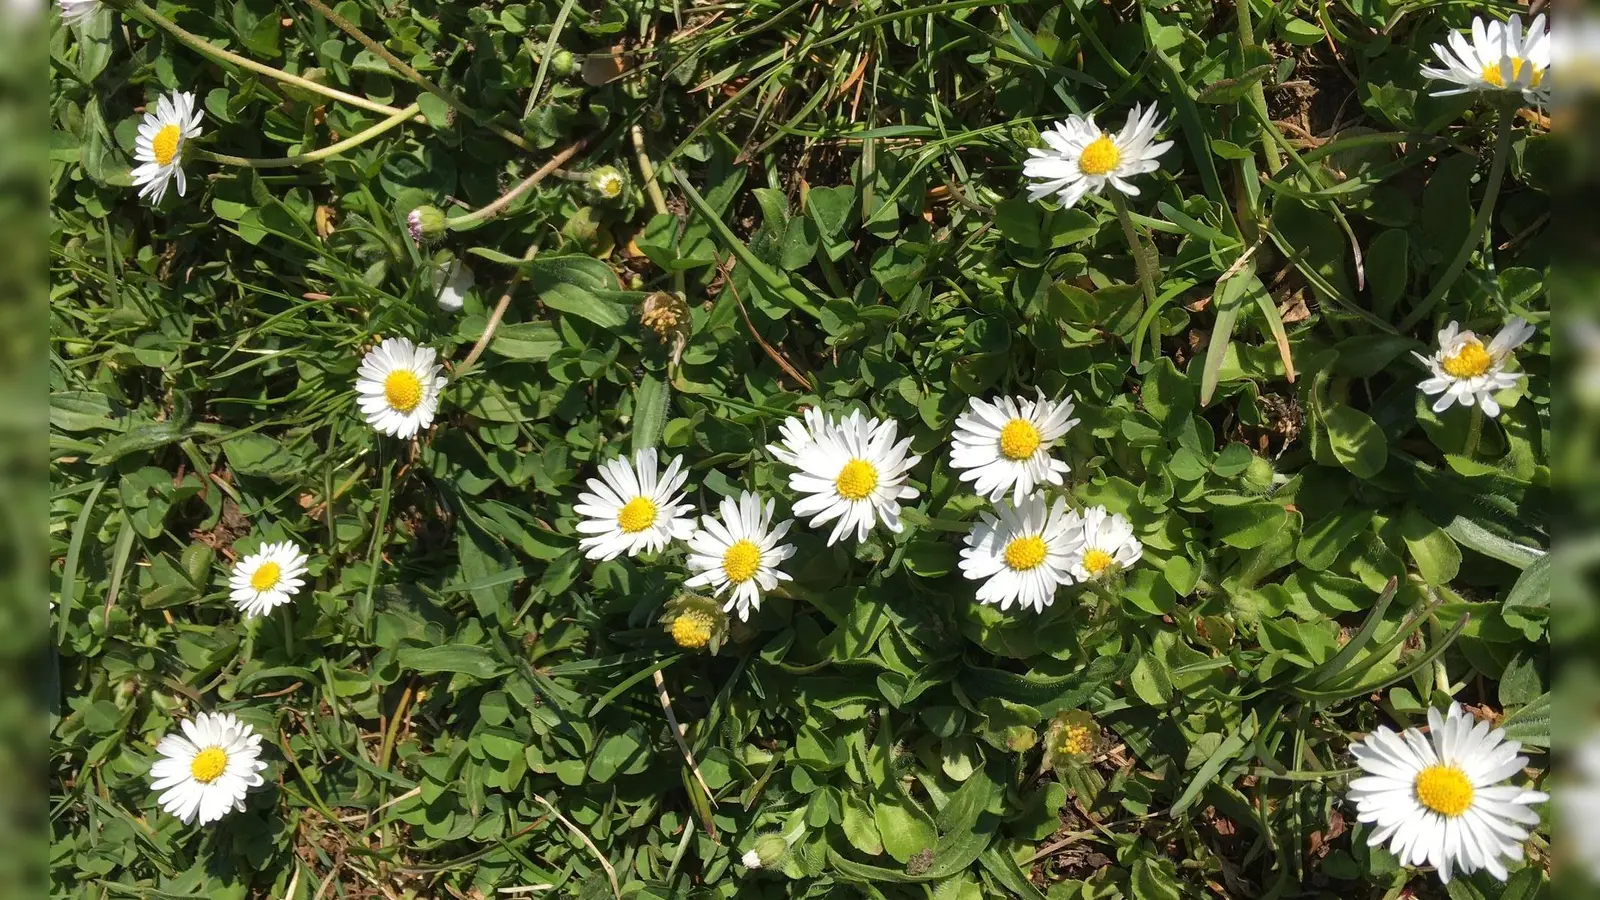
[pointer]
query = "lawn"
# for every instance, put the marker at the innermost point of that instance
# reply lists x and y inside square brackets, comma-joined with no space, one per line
[829,448]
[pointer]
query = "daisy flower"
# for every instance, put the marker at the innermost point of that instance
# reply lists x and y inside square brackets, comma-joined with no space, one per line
[1108,545]
[1022,553]
[1082,159]
[399,385]
[1439,799]
[1499,58]
[1005,445]
[161,142]
[205,772]
[1466,371]
[607,182]
[267,578]
[633,508]
[740,552]
[851,470]
[76,12]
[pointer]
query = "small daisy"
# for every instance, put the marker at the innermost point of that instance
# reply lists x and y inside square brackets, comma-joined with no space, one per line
[1022,553]
[399,385]
[451,282]
[1466,371]
[1005,445]
[607,182]
[76,12]
[741,551]
[205,772]
[629,509]
[851,470]
[1108,545]
[267,578]
[161,142]
[1439,799]
[1082,159]
[1499,58]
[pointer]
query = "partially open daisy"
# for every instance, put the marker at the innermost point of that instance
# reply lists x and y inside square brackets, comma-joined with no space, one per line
[633,508]
[1441,799]
[205,772]
[163,137]
[399,385]
[1466,371]
[1499,58]
[1004,445]
[1083,159]
[1108,545]
[76,12]
[267,578]
[740,552]
[1022,553]
[852,471]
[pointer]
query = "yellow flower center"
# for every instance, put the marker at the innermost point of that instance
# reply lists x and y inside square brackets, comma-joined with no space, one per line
[209,764]
[1018,439]
[266,577]
[610,186]
[1493,75]
[403,390]
[1100,157]
[1097,561]
[164,146]
[636,515]
[741,561]
[1076,740]
[857,479]
[1445,790]
[1025,553]
[692,630]
[1468,362]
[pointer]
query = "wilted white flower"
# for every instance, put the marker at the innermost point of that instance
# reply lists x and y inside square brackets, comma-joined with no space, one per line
[160,146]
[399,385]
[1004,445]
[451,283]
[205,772]
[267,578]
[1466,371]
[1082,159]
[1499,58]
[740,552]
[851,470]
[1022,553]
[634,508]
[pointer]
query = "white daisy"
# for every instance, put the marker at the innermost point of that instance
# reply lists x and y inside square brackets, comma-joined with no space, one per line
[399,385]
[267,578]
[1579,797]
[1499,58]
[1083,159]
[1466,371]
[1005,445]
[161,143]
[205,772]
[850,470]
[607,182]
[1108,545]
[629,509]
[1439,799]
[741,551]
[76,12]
[451,283]
[1022,553]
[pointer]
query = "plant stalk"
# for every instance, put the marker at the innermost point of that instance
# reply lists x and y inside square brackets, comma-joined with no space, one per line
[1147,278]
[331,150]
[478,217]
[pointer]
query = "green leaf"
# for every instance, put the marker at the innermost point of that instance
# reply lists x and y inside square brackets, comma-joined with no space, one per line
[1357,441]
[650,399]
[460,659]
[569,298]
[1437,556]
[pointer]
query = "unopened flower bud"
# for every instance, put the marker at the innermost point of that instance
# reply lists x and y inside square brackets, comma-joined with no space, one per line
[426,224]
[1258,475]
[562,63]
[607,182]
[770,850]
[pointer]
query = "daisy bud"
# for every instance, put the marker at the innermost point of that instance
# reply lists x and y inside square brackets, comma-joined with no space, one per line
[426,224]
[607,182]
[1258,476]
[770,850]
[695,622]
[562,63]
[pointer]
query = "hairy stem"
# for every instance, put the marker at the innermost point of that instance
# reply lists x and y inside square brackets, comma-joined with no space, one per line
[348,143]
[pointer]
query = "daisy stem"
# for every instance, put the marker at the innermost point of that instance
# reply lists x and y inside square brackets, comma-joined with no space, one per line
[418,78]
[478,217]
[196,42]
[1474,433]
[494,318]
[1480,220]
[348,143]
[1141,263]
[288,633]
[652,186]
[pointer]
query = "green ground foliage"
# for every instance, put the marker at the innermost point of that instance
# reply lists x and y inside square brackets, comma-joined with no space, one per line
[459,703]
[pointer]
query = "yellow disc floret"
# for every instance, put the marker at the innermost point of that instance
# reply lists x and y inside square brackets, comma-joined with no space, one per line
[741,561]
[209,764]
[403,389]
[266,577]
[636,515]
[1097,561]
[164,146]
[1100,157]
[1025,553]
[857,479]
[1470,361]
[1444,789]
[692,630]
[1076,740]
[1019,439]
[1493,74]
